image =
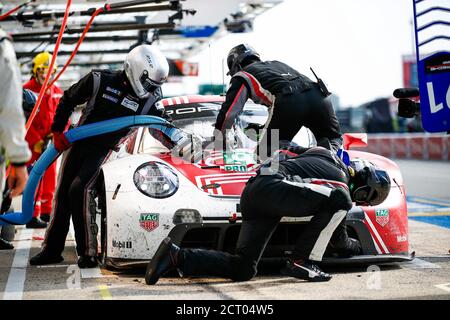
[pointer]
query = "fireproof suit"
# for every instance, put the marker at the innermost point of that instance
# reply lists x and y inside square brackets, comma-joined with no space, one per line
[13,146]
[108,95]
[313,183]
[292,99]
[40,130]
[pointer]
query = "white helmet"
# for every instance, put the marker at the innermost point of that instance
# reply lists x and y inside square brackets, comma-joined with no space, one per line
[146,69]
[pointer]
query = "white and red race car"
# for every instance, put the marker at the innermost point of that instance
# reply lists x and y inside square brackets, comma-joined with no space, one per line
[144,195]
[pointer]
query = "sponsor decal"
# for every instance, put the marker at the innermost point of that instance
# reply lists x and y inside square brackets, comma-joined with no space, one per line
[189,111]
[122,244]
[149,221]
[110,98]
[211,186]
[149,60]
[438,64]
[241,168]
[115,91]
[382,216]
[402,238]
[127,103]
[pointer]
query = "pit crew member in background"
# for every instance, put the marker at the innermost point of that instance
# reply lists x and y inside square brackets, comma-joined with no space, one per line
[135,90]
[13,146]
[292,99]
[39,135]
[314,183]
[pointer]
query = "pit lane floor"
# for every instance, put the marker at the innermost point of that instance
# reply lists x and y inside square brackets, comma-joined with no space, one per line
[426,277]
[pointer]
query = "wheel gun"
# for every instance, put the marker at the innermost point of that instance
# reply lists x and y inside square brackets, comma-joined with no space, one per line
[322,85]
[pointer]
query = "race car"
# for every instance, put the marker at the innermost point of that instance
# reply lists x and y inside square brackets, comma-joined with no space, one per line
[144,194]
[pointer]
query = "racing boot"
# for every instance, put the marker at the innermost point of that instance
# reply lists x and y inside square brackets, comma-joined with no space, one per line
[87,262]
[306,270]
[5,245]
[45,217]
[36,223]
[164,260]
[45,258]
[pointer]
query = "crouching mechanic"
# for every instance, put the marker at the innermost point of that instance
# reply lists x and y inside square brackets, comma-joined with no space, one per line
[108,95]
[314,183]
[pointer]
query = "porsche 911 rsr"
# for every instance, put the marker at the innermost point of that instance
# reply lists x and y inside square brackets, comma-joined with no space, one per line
[144,194]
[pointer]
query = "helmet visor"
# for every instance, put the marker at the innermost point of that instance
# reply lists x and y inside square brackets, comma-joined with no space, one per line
[364,194]
[148,84]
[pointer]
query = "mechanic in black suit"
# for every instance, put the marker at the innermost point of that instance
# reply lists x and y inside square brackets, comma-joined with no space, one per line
[136,90]
[292,99]
[298,183]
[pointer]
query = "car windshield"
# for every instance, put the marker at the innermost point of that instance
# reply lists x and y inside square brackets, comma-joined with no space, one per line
[199,119]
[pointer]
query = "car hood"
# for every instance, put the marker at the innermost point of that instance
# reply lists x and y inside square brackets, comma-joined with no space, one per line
[210,175]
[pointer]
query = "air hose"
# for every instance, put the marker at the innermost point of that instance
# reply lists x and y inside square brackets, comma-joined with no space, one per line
[80,41]
[80,133]
[10,12]
[52,63]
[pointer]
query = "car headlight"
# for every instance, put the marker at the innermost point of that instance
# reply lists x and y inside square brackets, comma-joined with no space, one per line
[156,180]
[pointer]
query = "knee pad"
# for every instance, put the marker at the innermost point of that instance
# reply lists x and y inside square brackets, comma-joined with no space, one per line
[340,199]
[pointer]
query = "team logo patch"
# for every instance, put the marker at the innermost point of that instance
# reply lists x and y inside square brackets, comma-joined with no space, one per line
[115,91]
[110,98]
[149,221]
[130,104]
[382,216]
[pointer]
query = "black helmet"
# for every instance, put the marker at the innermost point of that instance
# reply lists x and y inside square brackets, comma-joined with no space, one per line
[368,184]
[237,55]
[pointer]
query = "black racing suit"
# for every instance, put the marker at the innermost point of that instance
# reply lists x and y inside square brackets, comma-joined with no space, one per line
[292,99]
[108,95]
[311,184]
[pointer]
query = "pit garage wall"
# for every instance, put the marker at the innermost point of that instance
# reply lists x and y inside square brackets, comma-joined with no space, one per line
[422,146]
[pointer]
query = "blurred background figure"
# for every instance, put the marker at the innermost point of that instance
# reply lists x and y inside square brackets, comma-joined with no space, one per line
[13,147]
[39,136]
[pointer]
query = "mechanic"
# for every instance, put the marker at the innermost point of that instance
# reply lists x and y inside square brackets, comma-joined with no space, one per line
[292,99]
[39,135]
[12,126]
[311,182]
[136,90]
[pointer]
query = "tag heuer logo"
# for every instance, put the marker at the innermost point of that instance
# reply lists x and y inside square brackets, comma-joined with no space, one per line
[149,221]
[382,216]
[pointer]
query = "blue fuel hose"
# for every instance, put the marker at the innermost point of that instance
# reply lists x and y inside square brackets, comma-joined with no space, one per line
[80,133]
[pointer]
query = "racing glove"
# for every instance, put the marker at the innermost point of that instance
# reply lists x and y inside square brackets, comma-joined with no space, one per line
[60,141]
[39,146]
[42,145]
